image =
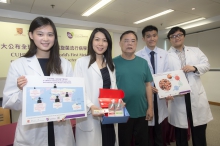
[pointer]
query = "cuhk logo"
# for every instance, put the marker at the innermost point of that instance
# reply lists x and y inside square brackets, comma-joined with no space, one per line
[47,119]
[70,35]
[19,30]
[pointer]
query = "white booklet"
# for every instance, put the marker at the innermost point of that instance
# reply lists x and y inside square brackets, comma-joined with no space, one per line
[171,83]
[50,98]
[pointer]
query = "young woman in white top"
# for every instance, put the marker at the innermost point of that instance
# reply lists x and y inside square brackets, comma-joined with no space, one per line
[42,59]
[98,71]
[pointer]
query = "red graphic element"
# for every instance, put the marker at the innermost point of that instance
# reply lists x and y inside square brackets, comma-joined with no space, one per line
[177,77]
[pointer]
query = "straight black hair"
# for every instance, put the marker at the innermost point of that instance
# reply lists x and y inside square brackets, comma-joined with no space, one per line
[175,29]
[54,63]
[127,32]
[149,28]
[107,54]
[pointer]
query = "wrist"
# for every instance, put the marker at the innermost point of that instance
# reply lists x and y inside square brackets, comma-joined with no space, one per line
[195,69]
[150,107]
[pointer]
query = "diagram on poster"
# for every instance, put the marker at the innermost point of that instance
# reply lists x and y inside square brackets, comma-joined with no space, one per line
[171,83]
[52,99]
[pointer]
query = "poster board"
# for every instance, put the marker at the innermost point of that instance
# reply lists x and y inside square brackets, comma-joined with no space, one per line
[171,83]
[52,98]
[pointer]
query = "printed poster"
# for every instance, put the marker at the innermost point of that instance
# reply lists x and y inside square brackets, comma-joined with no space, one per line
[171,83]
[49,98]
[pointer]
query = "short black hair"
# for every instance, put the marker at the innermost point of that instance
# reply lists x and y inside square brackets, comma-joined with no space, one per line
[149,28]
[175,29]
[127,32]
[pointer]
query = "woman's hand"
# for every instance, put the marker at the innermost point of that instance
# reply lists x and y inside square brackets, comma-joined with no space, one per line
[21,82]
[93,107]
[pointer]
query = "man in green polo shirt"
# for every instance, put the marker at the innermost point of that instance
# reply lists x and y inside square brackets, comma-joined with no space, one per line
[133,76]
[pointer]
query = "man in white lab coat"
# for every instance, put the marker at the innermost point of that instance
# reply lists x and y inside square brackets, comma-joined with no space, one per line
[193,106]
[157,59]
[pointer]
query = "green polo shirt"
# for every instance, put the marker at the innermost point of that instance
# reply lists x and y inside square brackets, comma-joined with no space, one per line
[131,77]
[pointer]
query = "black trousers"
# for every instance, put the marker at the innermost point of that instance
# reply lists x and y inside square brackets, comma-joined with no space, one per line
[198,132]
[136,128]
[157,138]
[108,134]
[51,137]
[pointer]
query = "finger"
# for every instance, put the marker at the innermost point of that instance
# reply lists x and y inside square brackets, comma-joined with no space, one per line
[21,86]
[22,83]
[147,118]
[21,78]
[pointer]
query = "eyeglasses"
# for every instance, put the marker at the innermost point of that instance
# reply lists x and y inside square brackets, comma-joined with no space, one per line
[176,36]
[129,41]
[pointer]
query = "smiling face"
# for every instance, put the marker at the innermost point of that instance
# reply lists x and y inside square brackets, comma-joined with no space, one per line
[43,38]
[150,38]
[177,40]
[99,43]
[128,44]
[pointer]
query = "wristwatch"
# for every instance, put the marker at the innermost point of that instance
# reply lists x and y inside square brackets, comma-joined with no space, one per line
[195,69]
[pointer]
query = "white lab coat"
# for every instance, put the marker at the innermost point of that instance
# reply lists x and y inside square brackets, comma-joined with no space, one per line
[201,112]
[161,66]
[34,134]
[88,130]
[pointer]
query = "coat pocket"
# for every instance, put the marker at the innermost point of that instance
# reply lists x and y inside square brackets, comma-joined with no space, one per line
[85,124]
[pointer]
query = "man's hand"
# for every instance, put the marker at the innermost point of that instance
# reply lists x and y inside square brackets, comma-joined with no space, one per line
[188,68]
[149,114]
[169,98]
[154,90]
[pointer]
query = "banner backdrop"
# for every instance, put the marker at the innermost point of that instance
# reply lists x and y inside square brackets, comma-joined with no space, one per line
[14,42]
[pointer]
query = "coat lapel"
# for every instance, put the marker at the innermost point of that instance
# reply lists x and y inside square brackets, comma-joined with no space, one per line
[112,78]
[172,53]
[187,55]
[159,61]
[96,68]
[35,65]
[146,57]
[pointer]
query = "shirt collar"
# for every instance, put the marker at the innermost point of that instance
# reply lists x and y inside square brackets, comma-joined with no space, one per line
[177,51]
[149,50]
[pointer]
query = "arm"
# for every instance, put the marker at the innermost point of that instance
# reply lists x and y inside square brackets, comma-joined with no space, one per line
[12,93]
[149,114]
[202,67]
[69,69]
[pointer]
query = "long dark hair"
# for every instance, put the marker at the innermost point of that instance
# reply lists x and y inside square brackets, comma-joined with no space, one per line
[107,54]
[54,63]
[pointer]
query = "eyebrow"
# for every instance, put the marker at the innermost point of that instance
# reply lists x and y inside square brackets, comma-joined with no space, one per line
[99,38]
[129,39]
[43,32]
